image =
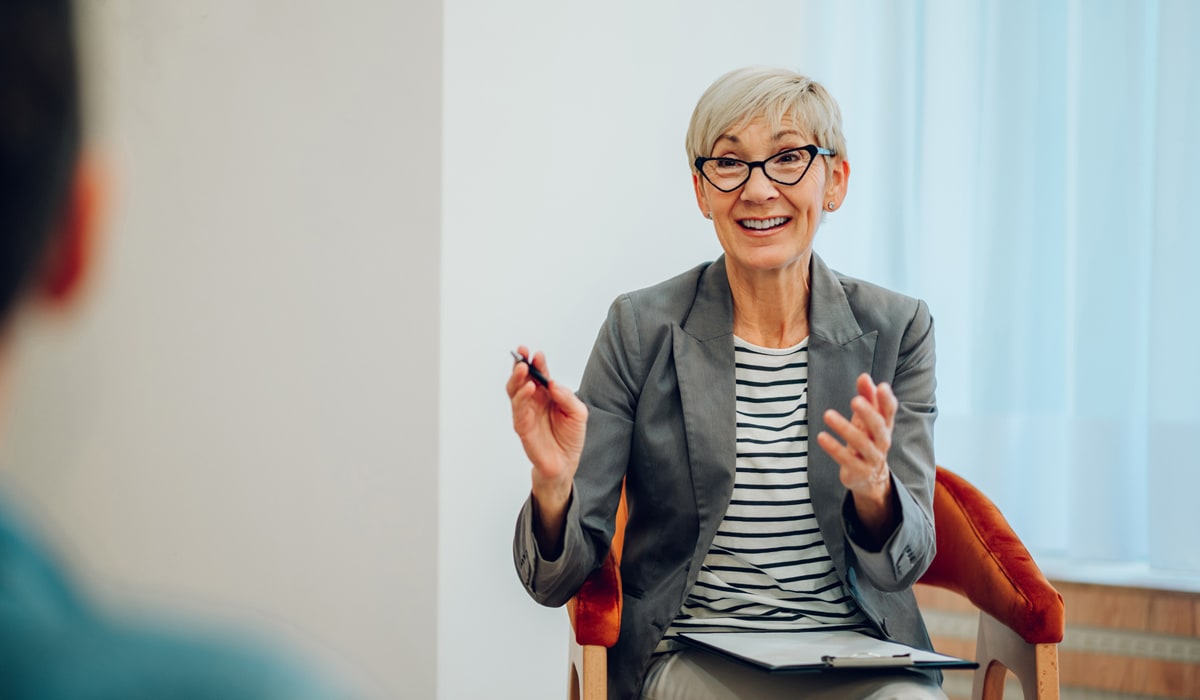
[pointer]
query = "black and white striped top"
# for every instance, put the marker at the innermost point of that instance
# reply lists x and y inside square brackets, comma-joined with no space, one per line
[768,567]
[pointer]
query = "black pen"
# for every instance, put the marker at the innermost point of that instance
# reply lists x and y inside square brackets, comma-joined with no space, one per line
[533,371]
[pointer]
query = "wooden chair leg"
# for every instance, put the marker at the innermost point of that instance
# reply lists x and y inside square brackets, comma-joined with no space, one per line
[989,680]
[588,673]
[1044,684]
[998,649]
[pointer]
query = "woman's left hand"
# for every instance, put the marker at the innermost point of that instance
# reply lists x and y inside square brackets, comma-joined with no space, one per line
[863,457]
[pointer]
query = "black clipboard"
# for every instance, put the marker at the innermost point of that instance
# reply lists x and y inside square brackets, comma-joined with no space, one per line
[817,650]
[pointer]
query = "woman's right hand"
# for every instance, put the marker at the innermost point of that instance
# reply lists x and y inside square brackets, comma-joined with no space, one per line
[551,422]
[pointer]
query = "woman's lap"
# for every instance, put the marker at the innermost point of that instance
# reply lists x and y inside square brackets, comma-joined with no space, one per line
[697,675]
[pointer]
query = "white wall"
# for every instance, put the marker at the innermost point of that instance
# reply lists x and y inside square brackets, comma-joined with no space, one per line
[566,183]
[242,422]
[289,385]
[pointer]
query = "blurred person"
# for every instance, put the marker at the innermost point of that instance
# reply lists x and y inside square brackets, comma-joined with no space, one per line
[703,398]
[55,643]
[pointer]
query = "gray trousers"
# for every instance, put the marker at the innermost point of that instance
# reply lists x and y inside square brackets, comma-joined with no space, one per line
[692,674]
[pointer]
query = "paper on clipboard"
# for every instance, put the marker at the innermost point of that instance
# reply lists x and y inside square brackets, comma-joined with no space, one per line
[819,650]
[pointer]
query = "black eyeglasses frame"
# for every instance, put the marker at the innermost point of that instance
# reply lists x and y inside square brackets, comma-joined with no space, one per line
[813,152]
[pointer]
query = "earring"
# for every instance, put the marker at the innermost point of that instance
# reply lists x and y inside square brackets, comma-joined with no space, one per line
[708,215]
[831,206]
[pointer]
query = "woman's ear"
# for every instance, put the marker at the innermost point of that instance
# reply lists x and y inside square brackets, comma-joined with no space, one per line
[839,178]
[71,253]
[701,196]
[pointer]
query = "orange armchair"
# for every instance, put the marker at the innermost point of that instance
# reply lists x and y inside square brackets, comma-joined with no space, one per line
[1021,616]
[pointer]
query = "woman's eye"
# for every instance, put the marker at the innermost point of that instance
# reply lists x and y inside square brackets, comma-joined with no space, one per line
[727,163]
[791,157]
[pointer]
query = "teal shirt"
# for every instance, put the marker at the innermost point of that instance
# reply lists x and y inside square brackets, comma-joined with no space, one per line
[54,645]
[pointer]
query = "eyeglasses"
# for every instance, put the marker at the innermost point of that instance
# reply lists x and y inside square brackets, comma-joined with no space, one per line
[786,168]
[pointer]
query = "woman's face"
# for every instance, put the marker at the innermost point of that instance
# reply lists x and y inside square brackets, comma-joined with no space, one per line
[763,225]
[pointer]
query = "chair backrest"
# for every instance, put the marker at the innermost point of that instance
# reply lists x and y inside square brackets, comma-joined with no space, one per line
[980,557]
[618,540]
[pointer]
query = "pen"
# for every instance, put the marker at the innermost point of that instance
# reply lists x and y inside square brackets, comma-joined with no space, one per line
[533,371]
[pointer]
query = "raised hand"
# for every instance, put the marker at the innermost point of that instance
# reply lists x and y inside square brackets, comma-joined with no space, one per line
[863,458]
[551,423]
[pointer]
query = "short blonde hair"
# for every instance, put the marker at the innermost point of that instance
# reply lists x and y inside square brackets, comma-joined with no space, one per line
[774,93]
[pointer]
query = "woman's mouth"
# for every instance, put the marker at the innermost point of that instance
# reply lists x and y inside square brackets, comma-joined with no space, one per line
[759,225]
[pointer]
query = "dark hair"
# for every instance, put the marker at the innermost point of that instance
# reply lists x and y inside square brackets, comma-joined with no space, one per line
[39,133]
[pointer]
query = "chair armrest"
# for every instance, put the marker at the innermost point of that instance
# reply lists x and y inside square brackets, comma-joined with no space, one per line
[595,611]
[980,557]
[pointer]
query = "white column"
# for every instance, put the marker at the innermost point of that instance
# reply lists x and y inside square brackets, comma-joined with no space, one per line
[241,425]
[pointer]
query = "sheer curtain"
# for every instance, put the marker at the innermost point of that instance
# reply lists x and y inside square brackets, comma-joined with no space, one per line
[1030,168]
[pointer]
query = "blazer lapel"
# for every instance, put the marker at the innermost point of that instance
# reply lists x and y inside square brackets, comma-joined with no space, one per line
[838,351]
[703,348]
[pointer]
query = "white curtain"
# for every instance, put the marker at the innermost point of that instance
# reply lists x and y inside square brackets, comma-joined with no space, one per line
[1030,168]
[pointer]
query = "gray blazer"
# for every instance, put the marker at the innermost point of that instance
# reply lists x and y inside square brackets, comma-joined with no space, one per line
[659,387]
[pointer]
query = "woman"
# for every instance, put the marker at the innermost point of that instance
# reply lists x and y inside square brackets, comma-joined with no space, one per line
[698,397]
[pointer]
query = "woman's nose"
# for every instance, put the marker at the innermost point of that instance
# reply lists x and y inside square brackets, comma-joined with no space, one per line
[759,187]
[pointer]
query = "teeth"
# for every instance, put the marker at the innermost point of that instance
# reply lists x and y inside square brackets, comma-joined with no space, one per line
[763,224]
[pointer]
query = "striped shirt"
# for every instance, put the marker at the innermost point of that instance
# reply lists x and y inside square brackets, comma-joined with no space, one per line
[768,567]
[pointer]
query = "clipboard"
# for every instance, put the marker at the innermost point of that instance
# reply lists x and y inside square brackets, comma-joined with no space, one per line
[818,650]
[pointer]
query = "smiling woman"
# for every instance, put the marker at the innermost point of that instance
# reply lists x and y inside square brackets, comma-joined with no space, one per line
[700,400]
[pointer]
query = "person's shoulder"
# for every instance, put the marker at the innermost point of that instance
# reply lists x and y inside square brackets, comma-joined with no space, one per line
[34,583]
[55,643]
[861,289]
[669,299]
[215,663]
[98,656]
[875,305]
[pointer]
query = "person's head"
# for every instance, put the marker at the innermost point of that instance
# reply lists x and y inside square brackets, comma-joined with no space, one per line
[774,94]
[769,159]
[46,206]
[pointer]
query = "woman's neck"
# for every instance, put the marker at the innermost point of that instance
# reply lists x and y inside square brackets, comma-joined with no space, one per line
[770,308]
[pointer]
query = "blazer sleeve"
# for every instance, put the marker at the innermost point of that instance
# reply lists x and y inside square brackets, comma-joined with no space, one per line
[910,549]
[609,389]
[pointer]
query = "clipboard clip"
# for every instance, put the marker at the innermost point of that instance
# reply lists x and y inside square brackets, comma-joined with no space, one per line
[867,660]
